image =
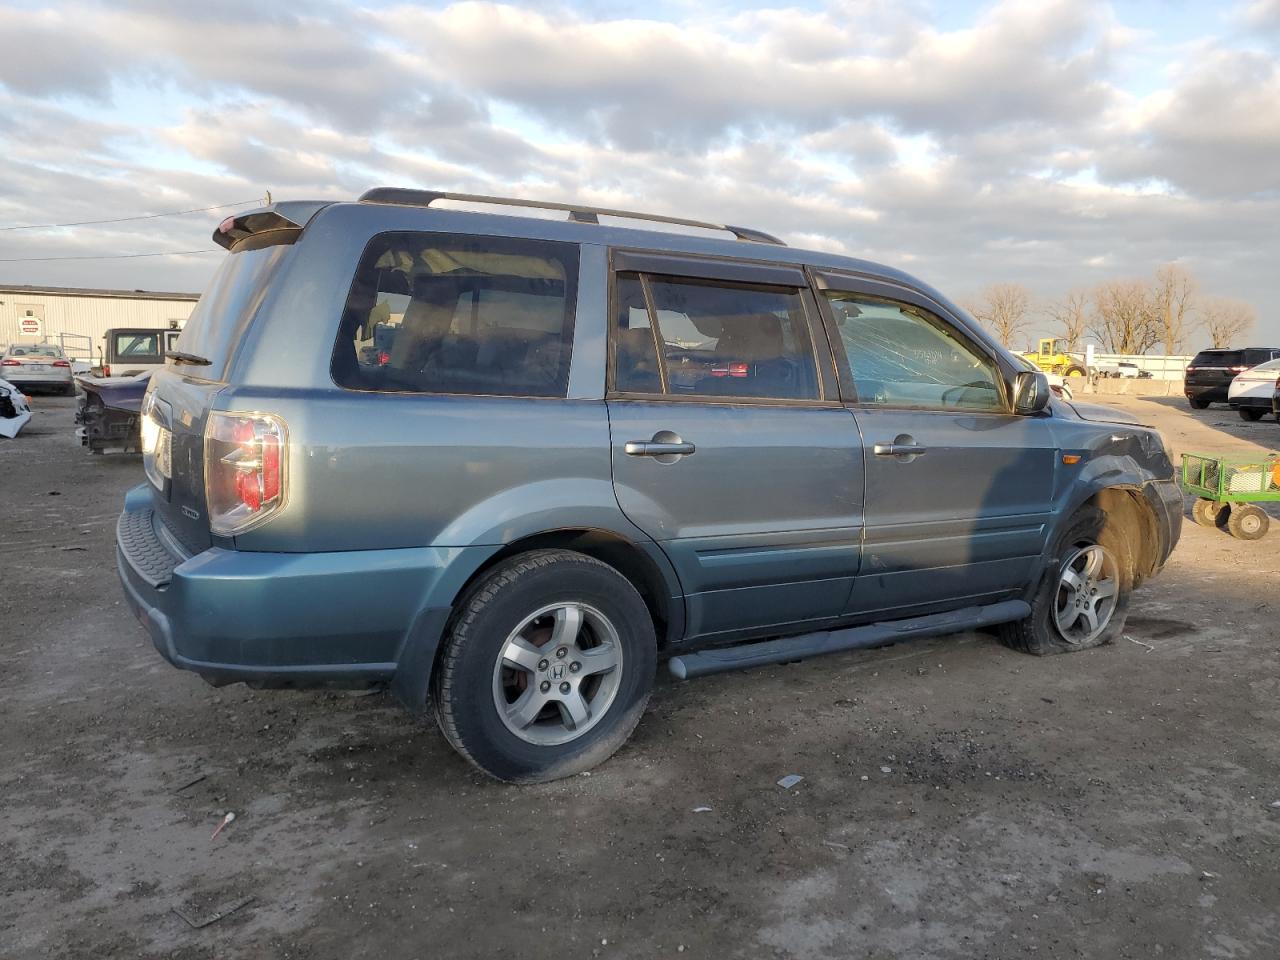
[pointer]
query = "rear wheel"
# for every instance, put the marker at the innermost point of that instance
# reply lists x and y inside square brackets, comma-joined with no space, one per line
[1197,403]
[547,667]
[1252,414]
[1247,522]
[1083,599]
[1208,513]
[1075,371]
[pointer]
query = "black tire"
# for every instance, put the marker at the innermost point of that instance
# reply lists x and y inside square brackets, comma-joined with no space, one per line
[1208,513]
[1197,403]
[1039,633]
[1252,414]
[466,680]
[1247,522]
[1074,371]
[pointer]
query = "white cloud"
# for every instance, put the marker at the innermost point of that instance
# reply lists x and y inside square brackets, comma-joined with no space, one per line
[1005,149]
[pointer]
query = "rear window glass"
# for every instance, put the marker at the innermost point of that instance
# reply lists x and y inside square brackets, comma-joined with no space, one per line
[136,346]
[228,304]
[36,350]
[436,313]
[1218,358]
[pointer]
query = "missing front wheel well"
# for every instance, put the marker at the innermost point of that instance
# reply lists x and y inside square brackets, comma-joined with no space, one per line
[1130,516]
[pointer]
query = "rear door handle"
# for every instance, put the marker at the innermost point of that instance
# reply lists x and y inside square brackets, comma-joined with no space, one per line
[648,448]
[665,446]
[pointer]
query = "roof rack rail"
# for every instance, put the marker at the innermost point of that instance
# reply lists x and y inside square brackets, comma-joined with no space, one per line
[577,212]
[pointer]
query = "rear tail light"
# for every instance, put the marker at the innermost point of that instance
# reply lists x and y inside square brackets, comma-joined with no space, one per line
[1237,369]
[106,369]
[245,457]
[157,443]
[730,370]
[61,363]
[10,363]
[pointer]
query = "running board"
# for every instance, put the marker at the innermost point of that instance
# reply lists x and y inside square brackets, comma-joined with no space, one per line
[748,655]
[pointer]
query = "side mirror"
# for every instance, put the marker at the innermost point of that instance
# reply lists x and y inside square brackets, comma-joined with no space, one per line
[1030,393]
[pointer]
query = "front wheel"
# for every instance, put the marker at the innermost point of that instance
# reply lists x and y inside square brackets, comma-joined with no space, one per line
[1083,599]
[547,668]
[1252,414]
[1208,513]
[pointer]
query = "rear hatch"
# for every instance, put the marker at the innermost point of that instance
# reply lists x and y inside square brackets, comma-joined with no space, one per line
[1215,368]
[183,393]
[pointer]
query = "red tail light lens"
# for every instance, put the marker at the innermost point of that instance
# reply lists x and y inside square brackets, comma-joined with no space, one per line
[10,363]
[730,370]
[61,363]
[244,470]
[106,370]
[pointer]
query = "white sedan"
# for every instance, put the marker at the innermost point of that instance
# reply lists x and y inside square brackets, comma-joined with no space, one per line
[1250,392]
[29,365]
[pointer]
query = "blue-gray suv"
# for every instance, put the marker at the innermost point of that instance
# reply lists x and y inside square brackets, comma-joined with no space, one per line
[507,461]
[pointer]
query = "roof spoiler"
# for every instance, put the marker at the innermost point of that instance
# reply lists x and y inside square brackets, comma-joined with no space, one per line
[279,223]
[577,212]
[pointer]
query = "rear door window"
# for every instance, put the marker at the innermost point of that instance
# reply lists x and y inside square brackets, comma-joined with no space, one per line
[705,338]
[436,313]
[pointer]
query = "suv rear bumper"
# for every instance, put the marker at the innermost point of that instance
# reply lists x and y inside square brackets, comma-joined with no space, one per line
[1213,392]
[281,619]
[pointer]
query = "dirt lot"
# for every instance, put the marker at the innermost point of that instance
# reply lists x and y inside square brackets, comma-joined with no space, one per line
[960,800]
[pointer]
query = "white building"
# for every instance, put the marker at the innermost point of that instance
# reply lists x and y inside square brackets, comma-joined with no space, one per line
[79,318]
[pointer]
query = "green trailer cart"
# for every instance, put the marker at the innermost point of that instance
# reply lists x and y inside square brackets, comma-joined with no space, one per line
[1230,488]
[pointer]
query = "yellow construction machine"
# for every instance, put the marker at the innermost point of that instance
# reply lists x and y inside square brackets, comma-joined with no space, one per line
[1052,357]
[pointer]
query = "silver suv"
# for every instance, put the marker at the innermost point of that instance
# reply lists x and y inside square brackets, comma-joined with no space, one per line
[507,464]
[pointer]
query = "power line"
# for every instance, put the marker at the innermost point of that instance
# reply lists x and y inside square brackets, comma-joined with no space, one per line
[145,216]
[112,256]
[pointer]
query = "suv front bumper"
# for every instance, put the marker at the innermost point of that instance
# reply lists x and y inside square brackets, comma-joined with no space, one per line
[1166,501]
[280,619]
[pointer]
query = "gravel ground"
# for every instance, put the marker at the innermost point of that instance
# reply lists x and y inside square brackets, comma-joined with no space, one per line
[959,800]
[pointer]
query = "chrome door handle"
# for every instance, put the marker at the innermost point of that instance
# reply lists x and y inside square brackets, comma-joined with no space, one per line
[665,446]
[649,448]
[904,447]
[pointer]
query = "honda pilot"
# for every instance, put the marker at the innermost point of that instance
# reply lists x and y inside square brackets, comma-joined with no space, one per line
[507,464]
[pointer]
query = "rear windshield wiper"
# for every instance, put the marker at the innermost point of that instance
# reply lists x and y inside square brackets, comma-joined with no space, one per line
[180,357]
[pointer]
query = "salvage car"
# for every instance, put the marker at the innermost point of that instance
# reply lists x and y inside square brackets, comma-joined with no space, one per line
[44,365]
[15,411]
[108,413]
[1251,390]
[588,448]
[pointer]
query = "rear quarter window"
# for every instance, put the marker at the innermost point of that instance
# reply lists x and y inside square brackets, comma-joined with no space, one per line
[453,314]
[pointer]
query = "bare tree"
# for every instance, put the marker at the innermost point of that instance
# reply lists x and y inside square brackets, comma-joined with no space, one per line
[1123,317]
[1003,308]
[1173,300]
[1225,319]
[1071,314]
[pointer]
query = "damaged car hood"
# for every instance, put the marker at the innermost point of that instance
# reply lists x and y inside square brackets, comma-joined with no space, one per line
[1096,413]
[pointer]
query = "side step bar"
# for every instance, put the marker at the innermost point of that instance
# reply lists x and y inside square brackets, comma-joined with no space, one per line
[806,645]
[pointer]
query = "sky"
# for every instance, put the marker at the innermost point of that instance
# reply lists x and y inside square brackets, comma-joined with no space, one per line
[1052,143]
